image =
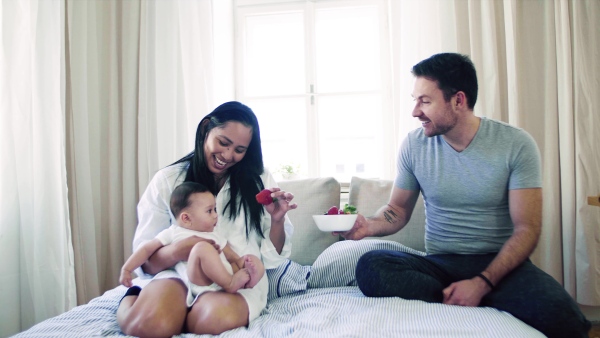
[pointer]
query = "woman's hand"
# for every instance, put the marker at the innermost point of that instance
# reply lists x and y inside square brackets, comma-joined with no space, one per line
[279,208]
[184,246]
[171,254]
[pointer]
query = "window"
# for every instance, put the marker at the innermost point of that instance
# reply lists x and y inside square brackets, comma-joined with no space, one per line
[317,76]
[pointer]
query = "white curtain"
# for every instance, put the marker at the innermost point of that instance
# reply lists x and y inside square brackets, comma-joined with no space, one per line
[582,236]
[140,79]
[101,130]
[96,96]
[538,66]
[36,270]
[176,80]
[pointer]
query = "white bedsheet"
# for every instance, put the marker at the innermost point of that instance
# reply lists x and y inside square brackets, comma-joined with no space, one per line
[317,301]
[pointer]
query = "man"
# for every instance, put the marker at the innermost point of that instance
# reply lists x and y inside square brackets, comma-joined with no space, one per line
[481,181]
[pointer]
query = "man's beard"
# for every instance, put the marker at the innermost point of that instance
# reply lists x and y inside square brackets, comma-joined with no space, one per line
[442,127]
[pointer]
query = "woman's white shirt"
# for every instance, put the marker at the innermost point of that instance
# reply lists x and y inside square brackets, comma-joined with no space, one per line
[154,215]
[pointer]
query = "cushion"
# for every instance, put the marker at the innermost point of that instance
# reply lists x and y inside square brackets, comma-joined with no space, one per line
[290,277]
[368,195]
[336,266]
[314,196]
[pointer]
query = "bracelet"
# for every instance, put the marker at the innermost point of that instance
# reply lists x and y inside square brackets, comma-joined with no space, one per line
[486,280]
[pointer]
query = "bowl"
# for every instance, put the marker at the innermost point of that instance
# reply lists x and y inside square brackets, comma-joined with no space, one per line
[331,223]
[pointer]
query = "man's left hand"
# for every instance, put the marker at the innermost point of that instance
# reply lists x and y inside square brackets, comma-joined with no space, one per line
[468,292]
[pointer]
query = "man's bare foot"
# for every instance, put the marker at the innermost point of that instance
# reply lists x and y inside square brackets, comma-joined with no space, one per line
[255,272]
[238,281]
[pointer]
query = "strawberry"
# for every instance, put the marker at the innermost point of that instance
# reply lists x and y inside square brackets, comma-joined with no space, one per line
[348,209]
[264,197]
[332,211]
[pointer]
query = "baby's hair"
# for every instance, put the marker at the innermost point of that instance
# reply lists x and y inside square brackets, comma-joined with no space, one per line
[180,198]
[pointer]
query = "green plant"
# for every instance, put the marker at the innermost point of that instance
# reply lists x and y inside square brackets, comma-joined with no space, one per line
[288,170]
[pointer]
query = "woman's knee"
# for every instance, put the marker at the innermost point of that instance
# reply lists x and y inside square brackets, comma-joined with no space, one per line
[151,323]
[217,312]
[159,310]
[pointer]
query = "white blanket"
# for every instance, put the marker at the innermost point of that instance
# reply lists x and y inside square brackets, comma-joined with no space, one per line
[317,301]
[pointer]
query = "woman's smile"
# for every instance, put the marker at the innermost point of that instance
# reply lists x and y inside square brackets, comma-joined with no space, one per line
[219,164]
[226,146]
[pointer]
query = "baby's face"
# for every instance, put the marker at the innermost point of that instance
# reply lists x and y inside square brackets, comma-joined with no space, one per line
[203,212]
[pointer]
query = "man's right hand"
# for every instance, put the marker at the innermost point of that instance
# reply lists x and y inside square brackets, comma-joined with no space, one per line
[360,229]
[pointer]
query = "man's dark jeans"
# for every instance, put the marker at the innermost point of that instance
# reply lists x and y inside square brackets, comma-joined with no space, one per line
[527,292]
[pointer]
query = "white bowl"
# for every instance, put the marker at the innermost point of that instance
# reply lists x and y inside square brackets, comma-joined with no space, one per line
[331,223]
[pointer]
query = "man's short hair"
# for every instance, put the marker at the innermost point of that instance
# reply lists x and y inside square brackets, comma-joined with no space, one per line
[453,72]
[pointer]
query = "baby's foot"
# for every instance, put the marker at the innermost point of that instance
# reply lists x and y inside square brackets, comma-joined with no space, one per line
[254,272]
[238,281]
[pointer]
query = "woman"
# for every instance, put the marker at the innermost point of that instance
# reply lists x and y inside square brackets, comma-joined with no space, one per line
[227,158]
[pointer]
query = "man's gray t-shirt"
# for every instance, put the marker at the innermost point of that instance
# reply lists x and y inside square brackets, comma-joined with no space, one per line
[466,193]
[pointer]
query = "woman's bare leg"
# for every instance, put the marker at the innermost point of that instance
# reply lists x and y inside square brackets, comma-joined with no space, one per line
[205,267]
[159,310]
[217,312]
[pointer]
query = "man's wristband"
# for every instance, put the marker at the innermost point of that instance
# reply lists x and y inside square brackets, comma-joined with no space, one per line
[486,280]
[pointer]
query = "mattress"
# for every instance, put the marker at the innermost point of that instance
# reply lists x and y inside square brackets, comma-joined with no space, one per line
[321,300]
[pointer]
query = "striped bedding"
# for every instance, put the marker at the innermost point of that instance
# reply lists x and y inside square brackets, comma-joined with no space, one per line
[321,300]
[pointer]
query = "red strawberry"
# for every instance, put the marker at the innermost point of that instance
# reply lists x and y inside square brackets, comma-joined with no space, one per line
[264,197]
[332,211]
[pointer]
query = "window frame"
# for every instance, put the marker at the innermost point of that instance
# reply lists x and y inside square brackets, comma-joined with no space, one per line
[311,95]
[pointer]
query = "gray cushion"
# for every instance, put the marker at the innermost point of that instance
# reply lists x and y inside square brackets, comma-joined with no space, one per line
[368,195]
[336,266]
[290,277]
[314,196]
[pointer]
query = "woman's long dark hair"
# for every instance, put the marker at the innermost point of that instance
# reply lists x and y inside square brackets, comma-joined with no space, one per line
[244,176]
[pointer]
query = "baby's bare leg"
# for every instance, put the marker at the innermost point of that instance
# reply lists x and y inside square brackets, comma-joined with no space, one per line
[255,268]
[201,253]
[205,267]
[238,281]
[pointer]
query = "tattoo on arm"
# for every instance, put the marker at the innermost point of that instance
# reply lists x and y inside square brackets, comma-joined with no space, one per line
[390,216]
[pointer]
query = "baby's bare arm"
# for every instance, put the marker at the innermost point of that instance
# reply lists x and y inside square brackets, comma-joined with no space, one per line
[139,257]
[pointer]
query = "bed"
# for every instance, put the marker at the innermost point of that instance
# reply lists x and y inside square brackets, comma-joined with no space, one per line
[314,293]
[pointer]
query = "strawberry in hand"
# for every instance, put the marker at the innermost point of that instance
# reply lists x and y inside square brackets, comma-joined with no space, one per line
[264,197]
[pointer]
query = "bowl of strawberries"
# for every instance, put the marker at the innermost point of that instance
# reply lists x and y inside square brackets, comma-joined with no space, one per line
[337,219]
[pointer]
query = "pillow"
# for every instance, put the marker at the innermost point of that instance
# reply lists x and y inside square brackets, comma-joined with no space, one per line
[368,195]
[336,265]
[288,278]
[314,196]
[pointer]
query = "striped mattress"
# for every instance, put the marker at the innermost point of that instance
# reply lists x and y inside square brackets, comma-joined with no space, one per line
[321,300]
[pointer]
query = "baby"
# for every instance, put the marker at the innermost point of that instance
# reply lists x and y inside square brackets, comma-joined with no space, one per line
[194,208]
